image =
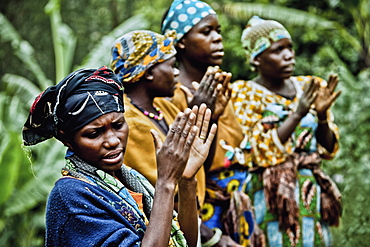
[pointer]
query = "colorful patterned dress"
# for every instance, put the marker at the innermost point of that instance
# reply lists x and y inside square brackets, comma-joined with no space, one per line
[286,175]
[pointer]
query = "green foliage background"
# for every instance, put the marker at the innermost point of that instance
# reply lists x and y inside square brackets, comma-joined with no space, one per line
[42,41]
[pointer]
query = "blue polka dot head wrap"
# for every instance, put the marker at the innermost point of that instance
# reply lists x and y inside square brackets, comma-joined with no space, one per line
[183,15]
[136,51]
[259,34]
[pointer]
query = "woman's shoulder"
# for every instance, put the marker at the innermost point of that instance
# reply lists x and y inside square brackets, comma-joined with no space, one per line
[72,188]
[68,192]
[240,84]
[135,118]
[244,90]
[246,85]
[166,106]
[73,196]
[303,79]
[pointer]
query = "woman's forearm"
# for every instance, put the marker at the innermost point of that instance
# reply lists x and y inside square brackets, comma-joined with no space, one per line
[159,228]
[324,134]
[188,213]
[288,126]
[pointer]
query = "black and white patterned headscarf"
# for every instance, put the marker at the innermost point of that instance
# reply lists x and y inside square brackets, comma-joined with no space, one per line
[78,99]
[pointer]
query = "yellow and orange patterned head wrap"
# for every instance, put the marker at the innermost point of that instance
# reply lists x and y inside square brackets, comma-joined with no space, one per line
[136,51]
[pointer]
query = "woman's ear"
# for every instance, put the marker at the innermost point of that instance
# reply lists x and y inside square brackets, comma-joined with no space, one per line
[148,75]
[64,139]
[180,44]
[256,61]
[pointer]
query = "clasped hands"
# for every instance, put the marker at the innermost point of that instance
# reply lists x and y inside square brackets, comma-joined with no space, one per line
[213,90]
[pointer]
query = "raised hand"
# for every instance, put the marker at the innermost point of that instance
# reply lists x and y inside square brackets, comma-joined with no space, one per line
[173,153]
[308,98]
[223,95]
[326,95]
[206,90]
[202,143]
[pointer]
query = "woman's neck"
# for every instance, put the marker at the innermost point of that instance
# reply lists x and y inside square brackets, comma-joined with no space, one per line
[190,72]
[270,83]
[144,103]
[281,86]
[142,99]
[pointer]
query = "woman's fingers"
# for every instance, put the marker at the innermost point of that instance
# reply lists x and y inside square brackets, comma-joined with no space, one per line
[213,84]
[157,139]
[182,126]
[332,82]
[211,135]
[171,135]
[200,116]
[313,86]
[226,76]
[334,96]
[195,85]
[191,137]
[207,80]
[204,117]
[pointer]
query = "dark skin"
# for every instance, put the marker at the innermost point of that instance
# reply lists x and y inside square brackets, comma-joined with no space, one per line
[102,143]
[275,65]
[198,152]
[200,48]
[158,81]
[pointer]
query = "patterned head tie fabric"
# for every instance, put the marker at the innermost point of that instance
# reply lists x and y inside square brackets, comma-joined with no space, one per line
[137,51]
[185,14]
[259,34]
[78,99]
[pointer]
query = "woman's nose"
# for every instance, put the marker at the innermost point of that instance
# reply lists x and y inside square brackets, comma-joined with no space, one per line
[176,71]
[111,140]
[288,54]
[217,37]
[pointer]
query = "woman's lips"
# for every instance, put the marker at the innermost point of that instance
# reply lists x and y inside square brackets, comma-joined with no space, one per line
[218,53]
[289,68]
[113,157]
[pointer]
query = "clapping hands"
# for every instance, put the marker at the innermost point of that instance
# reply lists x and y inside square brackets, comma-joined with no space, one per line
[213,90]
[319,96]
[186,146]
[326,95]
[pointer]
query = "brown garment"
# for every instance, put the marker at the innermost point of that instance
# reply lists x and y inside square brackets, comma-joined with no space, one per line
[142,153]
[279,185]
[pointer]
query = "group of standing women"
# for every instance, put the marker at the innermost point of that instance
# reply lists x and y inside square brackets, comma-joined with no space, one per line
[163,150]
